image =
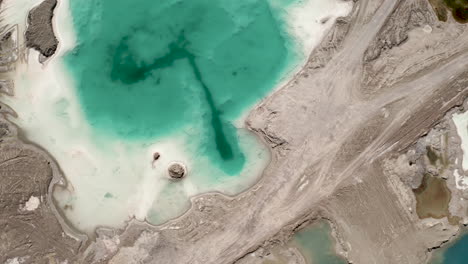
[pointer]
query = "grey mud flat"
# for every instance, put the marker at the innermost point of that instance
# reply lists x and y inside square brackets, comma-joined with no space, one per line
[381,81]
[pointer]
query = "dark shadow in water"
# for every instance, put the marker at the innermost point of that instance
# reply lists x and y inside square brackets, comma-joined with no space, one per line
[222,143]
[128,71]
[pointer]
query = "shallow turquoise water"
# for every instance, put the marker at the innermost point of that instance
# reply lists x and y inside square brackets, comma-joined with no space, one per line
[317,245]
[457,253]
[145,69]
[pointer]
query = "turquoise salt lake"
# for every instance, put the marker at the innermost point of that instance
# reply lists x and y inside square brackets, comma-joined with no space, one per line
[177,77]
[144,70]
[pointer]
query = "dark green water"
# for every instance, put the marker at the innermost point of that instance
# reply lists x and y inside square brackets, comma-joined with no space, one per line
[146,69]
[459,9]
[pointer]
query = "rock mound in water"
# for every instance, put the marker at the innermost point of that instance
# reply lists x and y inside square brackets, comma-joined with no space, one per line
[177,170]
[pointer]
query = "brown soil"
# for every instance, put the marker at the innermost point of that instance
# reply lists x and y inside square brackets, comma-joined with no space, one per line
[432,198]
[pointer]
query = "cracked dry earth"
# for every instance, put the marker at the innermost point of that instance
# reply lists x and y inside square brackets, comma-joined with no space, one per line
[378,82]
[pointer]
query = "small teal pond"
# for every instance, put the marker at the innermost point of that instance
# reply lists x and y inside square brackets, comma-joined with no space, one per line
[317,244]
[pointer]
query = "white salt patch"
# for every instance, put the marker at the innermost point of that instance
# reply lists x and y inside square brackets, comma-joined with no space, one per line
[309,20]
[32,204]
[16,260]
[63,27]
[303,185]
[12,261]
[461,122]
[461,181]
[170,150]
[427,29]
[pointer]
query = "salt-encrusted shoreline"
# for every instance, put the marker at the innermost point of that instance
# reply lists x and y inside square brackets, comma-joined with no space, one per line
[50,115]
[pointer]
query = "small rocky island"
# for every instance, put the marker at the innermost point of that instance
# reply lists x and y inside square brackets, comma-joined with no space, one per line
[177,170]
